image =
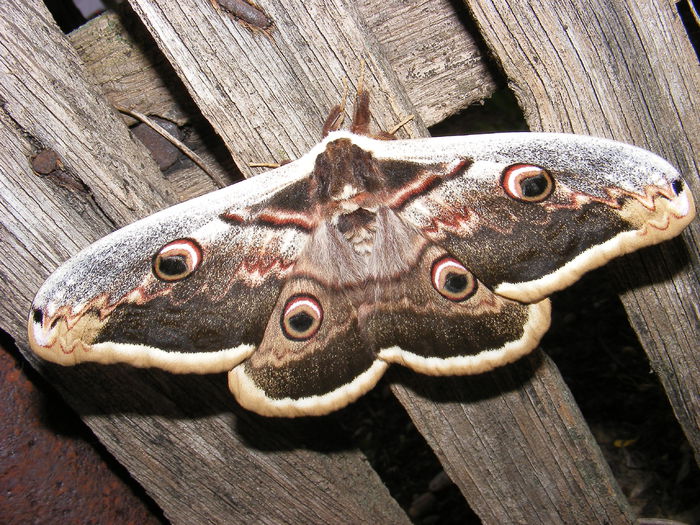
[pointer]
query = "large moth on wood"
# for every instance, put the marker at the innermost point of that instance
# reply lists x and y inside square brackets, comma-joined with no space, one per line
[306,282]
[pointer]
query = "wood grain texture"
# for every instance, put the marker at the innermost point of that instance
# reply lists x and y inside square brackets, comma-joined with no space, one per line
[42,101]
[297,32]
[202,458]
[515,443]
[44,108]
[624,70]
[434,56]
[277,75]
[30,248]
[132,74]
[129,71]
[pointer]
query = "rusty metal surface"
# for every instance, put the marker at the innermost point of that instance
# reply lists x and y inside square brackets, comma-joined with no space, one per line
[52,470]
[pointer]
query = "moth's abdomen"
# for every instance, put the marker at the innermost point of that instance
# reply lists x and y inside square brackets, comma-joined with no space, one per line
[359,229]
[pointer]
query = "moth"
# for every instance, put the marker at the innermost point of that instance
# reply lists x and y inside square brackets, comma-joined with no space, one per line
[305,283]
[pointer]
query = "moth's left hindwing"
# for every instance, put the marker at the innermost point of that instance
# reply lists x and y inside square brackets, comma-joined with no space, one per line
[307,281]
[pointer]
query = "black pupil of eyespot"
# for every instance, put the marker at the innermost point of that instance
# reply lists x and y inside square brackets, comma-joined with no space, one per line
[173,265]
[455,282]
[534,186]
[677,186]
[38,316]
[301,322]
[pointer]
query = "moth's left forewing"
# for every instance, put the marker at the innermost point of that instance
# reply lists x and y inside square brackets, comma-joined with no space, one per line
[606,199]
[185,289]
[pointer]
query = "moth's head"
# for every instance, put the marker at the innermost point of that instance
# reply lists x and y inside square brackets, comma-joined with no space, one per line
[342,171]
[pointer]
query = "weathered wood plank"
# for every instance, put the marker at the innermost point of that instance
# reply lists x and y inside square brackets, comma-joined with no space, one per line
[625,70]
[178,435]
[435,58]
[588,497]
[40,98]
[516,444]
[130,72]
[278,76]
[43,108]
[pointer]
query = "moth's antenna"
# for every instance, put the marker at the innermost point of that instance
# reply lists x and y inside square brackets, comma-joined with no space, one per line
[401,124]
[360,121]
[343,103]
[361,77]
[337,114]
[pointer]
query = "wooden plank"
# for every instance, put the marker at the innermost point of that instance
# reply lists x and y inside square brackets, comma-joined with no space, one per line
[42,102]
[132,73]
[435,58]
[516,444]
[625,70]
[42,107]
[278,76]
[563,490]
[179,436]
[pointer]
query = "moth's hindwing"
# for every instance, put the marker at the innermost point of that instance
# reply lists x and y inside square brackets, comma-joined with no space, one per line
[332,334]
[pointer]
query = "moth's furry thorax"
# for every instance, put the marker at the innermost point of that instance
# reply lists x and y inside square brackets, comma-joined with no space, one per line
[347,183]
[344,171]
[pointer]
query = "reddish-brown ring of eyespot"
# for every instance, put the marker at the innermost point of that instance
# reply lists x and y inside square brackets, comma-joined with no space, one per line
[516,175]
[304,308]
[186,253]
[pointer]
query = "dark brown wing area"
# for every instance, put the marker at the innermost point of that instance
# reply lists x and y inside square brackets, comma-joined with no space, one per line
[331,335]
[188,289]
[306,369]
[529,213]
[423,324]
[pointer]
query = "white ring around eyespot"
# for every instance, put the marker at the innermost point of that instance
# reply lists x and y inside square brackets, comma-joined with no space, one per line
[514,178]
[441,266]
[303,302]
[192,250]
